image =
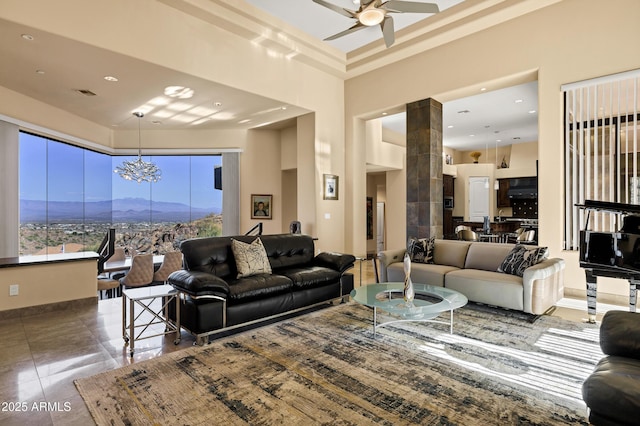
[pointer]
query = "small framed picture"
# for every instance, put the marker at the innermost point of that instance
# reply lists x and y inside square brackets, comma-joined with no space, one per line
[261,206]
[330,188]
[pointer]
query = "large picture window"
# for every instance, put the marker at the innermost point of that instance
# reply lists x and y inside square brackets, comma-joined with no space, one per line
[601,150]
[70,197]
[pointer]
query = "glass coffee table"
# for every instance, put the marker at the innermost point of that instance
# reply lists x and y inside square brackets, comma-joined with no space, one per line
[429,302]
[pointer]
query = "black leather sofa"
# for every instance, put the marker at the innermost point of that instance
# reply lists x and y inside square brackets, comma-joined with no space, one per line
[612,391]
[215,300]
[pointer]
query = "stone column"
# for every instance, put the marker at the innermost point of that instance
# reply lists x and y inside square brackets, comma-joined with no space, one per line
[424,169]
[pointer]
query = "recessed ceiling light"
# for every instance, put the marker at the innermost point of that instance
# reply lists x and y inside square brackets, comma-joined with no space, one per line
[110,78]
[217,104]
[384,113]
[533,111]
[519,101]
[484,89]
[156,122]
[246,120]
[27,37]
[498,140]
[464,111]
[283,108]
[449,127]
[472,136]
[39,72]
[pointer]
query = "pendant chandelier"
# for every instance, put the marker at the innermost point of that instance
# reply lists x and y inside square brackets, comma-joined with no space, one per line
[139,170]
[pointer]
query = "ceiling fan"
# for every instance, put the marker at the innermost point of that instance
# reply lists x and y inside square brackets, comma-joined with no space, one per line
[374,12]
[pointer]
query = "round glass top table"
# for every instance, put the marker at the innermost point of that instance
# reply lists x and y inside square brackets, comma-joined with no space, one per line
[429,302]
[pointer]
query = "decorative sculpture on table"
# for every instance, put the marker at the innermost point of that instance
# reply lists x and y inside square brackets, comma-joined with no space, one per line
[408,292]
[486,228]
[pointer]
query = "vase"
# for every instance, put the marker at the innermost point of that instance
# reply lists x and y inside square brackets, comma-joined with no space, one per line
[408,293]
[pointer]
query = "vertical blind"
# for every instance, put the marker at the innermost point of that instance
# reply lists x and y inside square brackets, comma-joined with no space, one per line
[601,150]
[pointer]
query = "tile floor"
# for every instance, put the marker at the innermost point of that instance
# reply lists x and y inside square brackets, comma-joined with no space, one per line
[41,355]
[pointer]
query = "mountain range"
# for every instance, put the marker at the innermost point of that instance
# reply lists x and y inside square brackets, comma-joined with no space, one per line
[116,211]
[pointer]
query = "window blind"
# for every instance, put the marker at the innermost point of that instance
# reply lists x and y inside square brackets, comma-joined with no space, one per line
[601,150]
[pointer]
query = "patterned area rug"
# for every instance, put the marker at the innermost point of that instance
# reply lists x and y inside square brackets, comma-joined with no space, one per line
[328,368]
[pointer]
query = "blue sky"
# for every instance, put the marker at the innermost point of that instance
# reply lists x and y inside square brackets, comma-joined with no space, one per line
[76,174]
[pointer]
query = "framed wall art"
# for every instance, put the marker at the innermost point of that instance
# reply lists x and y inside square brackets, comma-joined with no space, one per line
[330,187]
[369,218]
[261,206]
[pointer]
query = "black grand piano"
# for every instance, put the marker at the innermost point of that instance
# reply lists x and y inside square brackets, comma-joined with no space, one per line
[611,254]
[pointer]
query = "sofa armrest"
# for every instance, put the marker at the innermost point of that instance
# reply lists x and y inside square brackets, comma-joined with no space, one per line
[388,257]
[620,334]
[543,285]
[198,284]
[337,261]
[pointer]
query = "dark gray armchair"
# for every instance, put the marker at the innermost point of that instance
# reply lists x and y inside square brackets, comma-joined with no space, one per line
[612,391]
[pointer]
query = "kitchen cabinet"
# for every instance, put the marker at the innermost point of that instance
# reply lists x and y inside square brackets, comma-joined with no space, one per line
[447,185]
[503,193]
[447,215]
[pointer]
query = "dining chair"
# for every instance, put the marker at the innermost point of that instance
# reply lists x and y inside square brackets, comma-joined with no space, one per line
[460,228]
[172,262]
[141,272]
[117,256]
[467,235]
[108,285]
[513,237]
[526,237]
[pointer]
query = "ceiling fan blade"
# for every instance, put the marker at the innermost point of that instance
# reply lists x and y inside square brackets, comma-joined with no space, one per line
[411,7]
[356,27]
[335,8]
[387,31]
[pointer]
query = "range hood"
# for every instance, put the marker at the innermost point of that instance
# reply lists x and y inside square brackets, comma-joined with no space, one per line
[523,188]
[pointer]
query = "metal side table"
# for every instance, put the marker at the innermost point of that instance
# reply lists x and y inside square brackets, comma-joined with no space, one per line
[144,297]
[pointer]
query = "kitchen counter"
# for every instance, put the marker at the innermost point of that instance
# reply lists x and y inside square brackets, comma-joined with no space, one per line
[502,226]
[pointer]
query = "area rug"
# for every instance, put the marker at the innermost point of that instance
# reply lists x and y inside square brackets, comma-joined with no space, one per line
[328,368]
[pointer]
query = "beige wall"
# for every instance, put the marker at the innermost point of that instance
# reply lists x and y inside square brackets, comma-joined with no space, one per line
[48,283]
[570,41]
[382,153]
[259,176]
[289,150]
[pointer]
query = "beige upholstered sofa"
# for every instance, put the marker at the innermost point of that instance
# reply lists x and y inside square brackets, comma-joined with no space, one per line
[471,268]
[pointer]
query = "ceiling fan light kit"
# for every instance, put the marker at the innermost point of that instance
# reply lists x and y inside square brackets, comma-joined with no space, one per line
[371,17]
[374,12]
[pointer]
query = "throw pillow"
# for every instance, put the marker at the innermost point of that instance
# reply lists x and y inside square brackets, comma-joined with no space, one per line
[421,249]
[520,258]
[251,259]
